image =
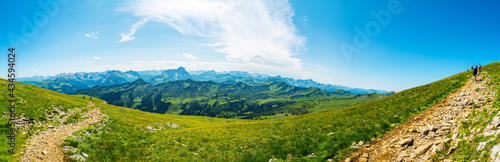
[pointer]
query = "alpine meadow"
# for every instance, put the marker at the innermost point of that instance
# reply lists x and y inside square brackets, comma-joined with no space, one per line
[250,81]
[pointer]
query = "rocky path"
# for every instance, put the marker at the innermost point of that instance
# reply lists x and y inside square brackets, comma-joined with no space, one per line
[47,146]
[420,137]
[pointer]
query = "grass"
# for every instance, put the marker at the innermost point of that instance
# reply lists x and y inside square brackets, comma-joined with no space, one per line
[33,103]
[125,137]
[293,138]
[466,150]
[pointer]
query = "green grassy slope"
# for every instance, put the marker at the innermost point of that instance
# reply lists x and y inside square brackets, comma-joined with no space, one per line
[296,137]
[32,104]
[207,98]
[466,150]
[327,134]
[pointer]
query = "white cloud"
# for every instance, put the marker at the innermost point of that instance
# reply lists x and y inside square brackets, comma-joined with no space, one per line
[129,36]
[322,68]
[190,57]
[250,32]
[92,35]
[96,58]
[305,18]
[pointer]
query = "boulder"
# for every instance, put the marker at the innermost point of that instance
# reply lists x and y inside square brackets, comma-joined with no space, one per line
[423,148]
[423,130]
[407,141]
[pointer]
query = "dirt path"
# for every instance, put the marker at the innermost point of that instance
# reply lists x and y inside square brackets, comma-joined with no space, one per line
[46,146]
[420,137]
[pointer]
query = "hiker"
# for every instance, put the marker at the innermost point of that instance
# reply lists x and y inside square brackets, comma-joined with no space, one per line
[474,73]
[479,69]
[90,98]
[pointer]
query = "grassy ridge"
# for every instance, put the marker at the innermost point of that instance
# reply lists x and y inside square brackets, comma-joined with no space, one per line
[125,137]
[296,137]
[32,104]
[466,150]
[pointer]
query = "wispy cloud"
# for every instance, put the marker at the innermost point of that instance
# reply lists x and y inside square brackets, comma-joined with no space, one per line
[250,32]
[322,68]
[129,36]
[305,18]
[190,57]
[96,58]
[92,35]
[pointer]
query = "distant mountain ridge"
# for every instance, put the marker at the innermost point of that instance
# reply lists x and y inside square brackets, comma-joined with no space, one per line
[207,98]
[71,82]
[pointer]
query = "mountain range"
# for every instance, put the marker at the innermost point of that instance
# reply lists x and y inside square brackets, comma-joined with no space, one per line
[207,98]
[71,82]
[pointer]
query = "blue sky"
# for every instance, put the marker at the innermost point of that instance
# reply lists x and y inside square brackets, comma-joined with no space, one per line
[423,41]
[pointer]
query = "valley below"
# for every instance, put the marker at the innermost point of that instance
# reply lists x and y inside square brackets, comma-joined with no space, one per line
[452,119]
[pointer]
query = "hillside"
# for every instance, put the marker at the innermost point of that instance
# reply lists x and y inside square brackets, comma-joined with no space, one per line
[34,113]
[207,98]
[132,135]
[441,131]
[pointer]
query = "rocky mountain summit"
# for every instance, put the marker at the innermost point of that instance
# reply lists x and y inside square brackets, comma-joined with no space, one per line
[434,134]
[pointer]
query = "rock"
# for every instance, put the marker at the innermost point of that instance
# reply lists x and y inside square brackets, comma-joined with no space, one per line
[311,155]
[360,143]
[348,159]
[440,133]
[439,147]
[407,141]
[85,155]
[445,127]
[354,145]
[401,157]
[423,130]
[452,149]
[431,134]
[50,126]
[363,160]
[494,153]
[481,146]
[447,140]
[365,155]
[44,152]
[433,128]
[150,128]
[454,136]
[273,159]
[65,148]
[423,148]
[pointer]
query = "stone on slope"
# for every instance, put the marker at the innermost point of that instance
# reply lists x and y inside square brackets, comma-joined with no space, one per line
[423,148]
[407,141]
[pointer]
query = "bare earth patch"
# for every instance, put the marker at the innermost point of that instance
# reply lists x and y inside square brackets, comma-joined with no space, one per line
[47,146]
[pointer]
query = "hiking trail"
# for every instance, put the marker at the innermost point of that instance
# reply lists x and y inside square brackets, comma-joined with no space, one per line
[421,136]
[47,146]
